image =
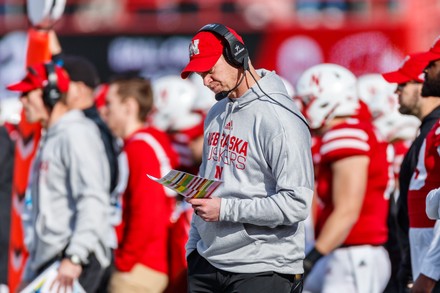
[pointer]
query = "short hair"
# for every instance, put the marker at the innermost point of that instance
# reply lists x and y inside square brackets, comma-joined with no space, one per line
[138,88]
[81,69]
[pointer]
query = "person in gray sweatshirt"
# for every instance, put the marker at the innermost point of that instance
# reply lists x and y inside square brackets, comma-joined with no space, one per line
[65,213]
[249,236]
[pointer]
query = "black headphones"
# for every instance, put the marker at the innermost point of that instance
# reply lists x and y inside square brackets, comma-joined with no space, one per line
[51,92]
[235,52]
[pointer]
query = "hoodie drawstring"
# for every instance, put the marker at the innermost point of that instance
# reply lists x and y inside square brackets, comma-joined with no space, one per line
[229,109]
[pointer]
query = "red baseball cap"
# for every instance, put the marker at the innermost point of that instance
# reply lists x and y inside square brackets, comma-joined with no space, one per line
[37,77]
[101,94]
[433,53]
[410,70]
[204,51]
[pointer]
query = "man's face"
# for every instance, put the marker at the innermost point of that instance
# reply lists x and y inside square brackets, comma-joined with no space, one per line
[409,98]
[33,105]
[222,76]
[431,86]
[116,113]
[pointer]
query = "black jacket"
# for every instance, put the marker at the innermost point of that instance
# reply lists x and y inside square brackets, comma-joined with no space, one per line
[409,163]
[7,147]
[111,147]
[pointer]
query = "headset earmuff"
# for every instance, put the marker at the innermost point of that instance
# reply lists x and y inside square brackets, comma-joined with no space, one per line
[235,52]
[51,92]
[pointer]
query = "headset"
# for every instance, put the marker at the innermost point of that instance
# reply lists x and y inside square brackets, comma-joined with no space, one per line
[51,92]
[237,55]
[235,52]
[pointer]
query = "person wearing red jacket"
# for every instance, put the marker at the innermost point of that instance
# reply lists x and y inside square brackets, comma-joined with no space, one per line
[141,257]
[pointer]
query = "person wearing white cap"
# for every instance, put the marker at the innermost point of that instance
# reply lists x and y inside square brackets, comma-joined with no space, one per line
[249,236]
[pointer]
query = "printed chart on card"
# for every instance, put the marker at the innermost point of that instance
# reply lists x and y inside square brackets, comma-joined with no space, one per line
[188,185]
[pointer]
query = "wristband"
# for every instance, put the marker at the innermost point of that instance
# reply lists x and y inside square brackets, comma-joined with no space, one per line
[310,260]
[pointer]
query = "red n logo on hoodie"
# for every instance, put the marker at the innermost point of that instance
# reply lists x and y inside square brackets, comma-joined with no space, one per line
[218,172]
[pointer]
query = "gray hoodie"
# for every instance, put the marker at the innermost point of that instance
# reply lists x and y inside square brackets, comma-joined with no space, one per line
[67,201]
[266,165]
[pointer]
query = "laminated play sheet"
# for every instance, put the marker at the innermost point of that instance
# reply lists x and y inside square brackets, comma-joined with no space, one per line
[188,185]
[43,282]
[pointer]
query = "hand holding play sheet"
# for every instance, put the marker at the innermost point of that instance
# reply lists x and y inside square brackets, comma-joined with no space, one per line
[188,185]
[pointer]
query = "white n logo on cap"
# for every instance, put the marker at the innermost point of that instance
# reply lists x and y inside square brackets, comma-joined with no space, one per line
[435,42]
[194,48]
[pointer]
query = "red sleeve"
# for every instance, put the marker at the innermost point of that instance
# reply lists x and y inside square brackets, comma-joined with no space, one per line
[146,209]
[343,142]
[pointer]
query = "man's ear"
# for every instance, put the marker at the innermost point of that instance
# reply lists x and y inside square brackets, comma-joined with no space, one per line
[132,107]
[74,89]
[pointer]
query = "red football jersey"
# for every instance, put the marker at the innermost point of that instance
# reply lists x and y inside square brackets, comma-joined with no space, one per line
[146,207]
[354,138]
[316,145]
[425,178]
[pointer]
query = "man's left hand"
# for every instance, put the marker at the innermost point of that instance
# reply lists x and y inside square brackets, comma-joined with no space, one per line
[206,208]
[423,284]
[67,273]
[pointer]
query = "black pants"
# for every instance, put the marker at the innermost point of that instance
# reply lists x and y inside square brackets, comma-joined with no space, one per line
[91,274]
[205,278]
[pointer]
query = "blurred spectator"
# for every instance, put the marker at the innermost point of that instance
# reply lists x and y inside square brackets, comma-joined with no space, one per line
[409,79]
[314,5]
[94,15]
[66,206]
[399,131]
[141,257]
[84,79]
[424,233]
[259,13]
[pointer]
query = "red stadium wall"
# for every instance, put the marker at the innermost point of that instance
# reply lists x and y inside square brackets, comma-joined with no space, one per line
[362,50]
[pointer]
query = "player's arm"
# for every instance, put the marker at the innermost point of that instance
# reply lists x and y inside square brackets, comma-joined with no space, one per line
[433,204]
[349,186]
[429,269]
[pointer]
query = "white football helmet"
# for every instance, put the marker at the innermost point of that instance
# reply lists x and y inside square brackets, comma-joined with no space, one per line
[378,94]
[10,110]
[174,100]
[327,91]
[394,125]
